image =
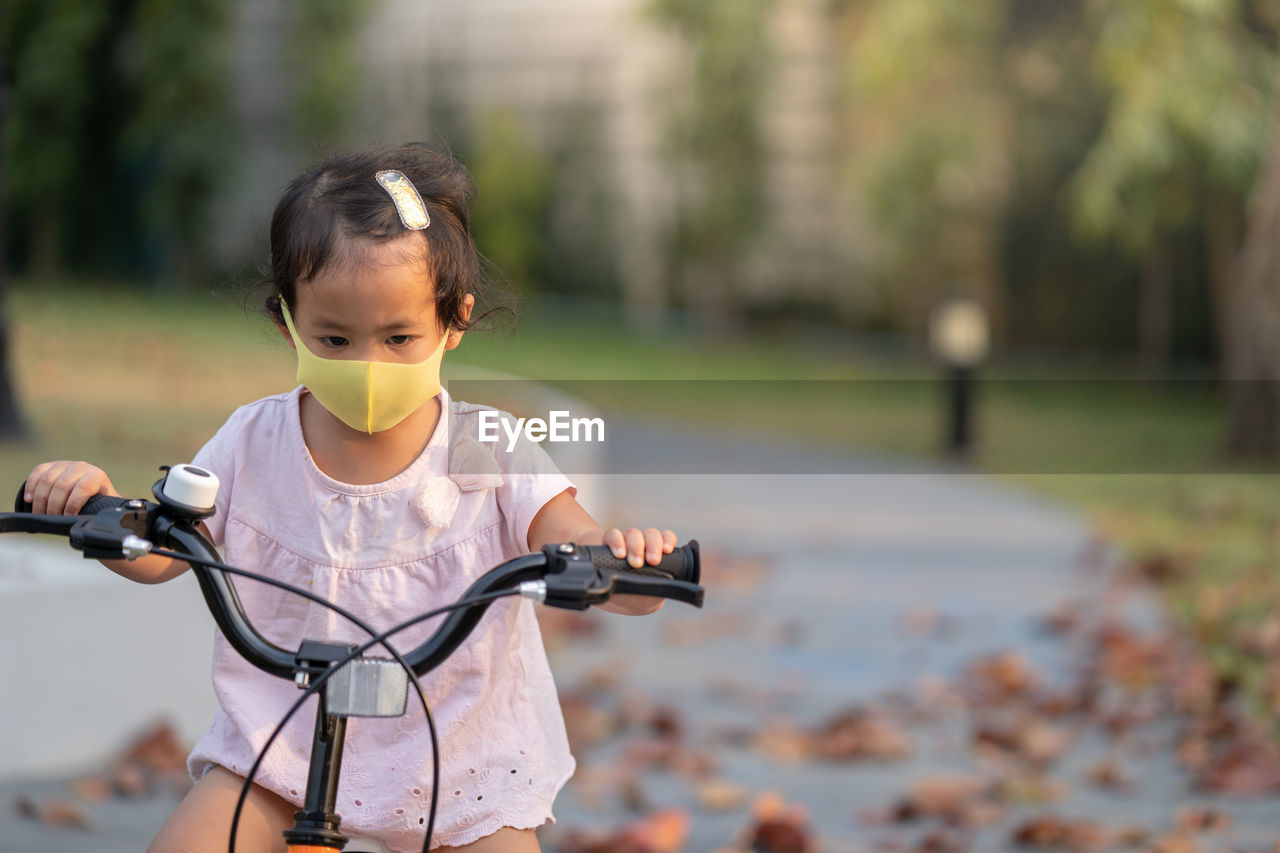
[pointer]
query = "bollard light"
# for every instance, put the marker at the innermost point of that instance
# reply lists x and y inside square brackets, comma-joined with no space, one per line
[959,338]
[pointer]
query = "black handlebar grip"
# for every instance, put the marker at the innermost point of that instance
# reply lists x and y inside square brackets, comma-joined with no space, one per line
[91,506]
[682,564]
[101,502]
[20,503]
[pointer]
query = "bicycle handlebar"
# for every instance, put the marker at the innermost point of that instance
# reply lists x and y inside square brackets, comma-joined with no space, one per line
[566,576]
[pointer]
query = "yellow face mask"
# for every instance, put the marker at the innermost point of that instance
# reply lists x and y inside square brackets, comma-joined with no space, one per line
[369,396]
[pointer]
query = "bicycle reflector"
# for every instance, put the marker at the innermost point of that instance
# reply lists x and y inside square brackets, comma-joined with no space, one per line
[367,687]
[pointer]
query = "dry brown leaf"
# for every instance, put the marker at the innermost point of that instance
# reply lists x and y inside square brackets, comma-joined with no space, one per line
[942,841]
[778,827]
[92,789]
[130,780]
[1158,567]
[1031,789]
[1246,766]
[957,800]
[720,795]
[1173,844]
[1201,819]
[861,734]
[1108,774]
[781,743]
[1053,832]
[158,749]
[662,832]
[54,812]
[1026,738]
[586,721]
[1001,677]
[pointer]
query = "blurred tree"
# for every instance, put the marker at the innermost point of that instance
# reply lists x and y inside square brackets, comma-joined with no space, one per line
[324,60]
[118,130]
[1187,86]
[11,421]
[178,133]
[716,148]
[1253,366]
[513,198]
[1061,292]
[51,46]
[929,112]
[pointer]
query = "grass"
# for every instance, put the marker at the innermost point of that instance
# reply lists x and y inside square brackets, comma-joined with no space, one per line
[131,382]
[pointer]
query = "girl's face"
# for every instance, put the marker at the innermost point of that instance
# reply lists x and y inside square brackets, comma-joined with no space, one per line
[375,305]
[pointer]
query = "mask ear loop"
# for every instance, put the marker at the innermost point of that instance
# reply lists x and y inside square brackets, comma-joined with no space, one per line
[413,213]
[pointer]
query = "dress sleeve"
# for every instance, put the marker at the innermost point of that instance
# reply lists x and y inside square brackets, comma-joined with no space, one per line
[530,479]
[219,457]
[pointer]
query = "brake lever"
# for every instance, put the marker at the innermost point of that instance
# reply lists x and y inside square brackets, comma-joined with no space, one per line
[626,583]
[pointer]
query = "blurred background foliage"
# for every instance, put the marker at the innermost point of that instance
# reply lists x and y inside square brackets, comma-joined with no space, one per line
[1083,167]
[1089,170]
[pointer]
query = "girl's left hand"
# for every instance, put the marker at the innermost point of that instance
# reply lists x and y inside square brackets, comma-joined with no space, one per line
[639,547]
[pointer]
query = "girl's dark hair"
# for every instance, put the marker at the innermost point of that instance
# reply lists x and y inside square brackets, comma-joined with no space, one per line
[340,199]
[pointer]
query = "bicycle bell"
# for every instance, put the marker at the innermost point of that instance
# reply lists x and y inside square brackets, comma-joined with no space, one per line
[187,490]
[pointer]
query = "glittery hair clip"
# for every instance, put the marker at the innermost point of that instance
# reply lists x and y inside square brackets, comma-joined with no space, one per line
[413,213]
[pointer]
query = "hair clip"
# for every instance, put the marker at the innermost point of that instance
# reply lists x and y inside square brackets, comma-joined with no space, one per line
[413,213]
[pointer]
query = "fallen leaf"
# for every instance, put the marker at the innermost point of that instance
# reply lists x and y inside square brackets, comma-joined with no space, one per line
[664,831]
[1173,844]
[942,841]
[860,734]
[999,678]
[1030,789]
[1026,738]
[54,812]
[1052,832]
[719,795]
[93,789]
[1245,767]
[964,801]
[1107,774]
[1201,819]
[587,722]
[777,827]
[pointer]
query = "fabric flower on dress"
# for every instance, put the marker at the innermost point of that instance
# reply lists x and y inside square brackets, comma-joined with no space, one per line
[438,501]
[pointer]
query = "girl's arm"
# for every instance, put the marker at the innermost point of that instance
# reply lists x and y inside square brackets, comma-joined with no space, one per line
[63,487]
[562,519]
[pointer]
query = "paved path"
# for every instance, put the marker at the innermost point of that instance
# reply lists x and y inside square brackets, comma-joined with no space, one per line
[849,584]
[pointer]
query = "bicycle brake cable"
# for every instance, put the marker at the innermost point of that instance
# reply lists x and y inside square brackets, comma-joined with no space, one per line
[376,639]
[310,596]
[483,598]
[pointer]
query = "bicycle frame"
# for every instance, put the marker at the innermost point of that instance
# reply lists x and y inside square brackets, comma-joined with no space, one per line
[566,576]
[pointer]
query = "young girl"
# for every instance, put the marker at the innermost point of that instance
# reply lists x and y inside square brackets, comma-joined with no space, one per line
[345,486]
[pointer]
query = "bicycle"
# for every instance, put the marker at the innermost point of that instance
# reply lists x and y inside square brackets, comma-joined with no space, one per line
[348,682]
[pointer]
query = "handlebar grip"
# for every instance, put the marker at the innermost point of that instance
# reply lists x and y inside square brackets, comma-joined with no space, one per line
[682,564]
[91,506]
[101,502]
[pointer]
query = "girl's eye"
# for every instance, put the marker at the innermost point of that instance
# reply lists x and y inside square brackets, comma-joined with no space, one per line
[333,341]
[399,340]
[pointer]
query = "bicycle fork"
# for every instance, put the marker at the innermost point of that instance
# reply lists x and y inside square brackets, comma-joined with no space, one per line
[315,827]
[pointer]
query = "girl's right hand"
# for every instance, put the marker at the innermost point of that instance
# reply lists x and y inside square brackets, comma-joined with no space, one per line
[62,487]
